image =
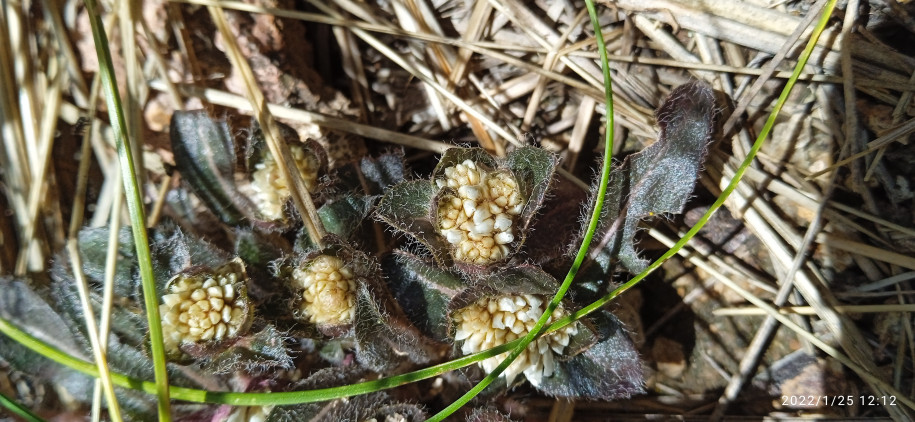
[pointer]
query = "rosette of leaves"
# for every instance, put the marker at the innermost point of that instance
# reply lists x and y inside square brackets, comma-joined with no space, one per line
[206,156]
[591,359]
[476,209]
[339,291]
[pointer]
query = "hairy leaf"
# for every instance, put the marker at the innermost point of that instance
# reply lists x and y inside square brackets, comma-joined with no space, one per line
[611,369]
[407,207]
[20,303]
[423,291]
[487,414]
[205,156]
[413,207]
[384,338]
[382,172]
[262,352]
[533,168]
[174,251]
[323,378]
[344,215]
[660,178]
[93,249]
[367,407]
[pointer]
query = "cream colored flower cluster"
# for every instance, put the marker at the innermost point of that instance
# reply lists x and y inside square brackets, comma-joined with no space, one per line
[478,221]
[328,290]
[202,308]
[269,189]
[493,321]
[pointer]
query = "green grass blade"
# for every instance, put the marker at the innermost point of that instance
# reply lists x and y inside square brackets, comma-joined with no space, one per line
[249,399]
[583,248]
[18,409]
[135,207]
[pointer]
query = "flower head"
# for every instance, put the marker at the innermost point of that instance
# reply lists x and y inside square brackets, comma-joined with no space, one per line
[328,290]
[208,306]
[478,220]
[269,188]
[493,321]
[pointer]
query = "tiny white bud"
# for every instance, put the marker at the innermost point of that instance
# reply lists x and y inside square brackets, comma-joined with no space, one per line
[503,238]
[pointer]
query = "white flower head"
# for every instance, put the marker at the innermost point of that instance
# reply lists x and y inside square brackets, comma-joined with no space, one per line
[328,290]
[478,221]
[269,190]
[493,321]
[205,307]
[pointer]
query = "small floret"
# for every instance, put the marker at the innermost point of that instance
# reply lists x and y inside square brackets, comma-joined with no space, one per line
[269,189]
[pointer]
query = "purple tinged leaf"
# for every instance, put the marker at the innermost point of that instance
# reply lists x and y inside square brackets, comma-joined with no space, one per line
[385,339]
[487,415]
[263,352]
[407,207]
[32,314]
[660,178]
[205,156]
[423,291]
[609,370]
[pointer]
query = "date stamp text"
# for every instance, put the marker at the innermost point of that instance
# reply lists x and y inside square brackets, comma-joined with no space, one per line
[811,401]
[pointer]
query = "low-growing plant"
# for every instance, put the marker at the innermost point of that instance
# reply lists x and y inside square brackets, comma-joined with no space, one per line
[265,308]
[246,317]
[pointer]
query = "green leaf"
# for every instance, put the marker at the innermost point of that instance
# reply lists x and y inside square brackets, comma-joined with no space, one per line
[32,313]
[173,251]
[63,329]
[344,215]
[533,169]
[262,352]
[93,249]
[257,249]
[660,178]
[205,156]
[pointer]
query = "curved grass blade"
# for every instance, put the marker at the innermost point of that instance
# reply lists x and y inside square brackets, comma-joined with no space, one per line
[250,399]
[134,205]
[18,409]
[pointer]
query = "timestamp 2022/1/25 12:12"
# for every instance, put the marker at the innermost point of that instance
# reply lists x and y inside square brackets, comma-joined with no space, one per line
[836,400]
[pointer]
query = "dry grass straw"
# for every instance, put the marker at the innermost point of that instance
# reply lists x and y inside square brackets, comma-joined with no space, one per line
[280,149]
